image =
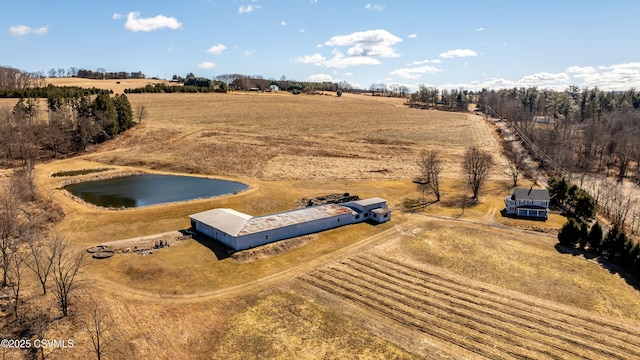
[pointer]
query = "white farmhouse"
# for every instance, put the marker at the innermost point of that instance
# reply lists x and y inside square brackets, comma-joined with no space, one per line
[241,231]
[528,203]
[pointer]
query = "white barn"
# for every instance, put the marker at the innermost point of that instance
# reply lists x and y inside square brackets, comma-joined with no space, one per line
[240,231]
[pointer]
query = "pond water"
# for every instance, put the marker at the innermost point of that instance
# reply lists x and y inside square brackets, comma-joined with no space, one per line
[150,189]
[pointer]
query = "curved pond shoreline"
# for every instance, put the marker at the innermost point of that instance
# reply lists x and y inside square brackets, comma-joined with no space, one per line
[142,190]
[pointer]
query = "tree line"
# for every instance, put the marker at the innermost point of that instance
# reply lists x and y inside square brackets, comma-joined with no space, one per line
[74,121]
[103,74]
[11,79]
[584,130]
[615,246]
[445,99]
[39,280]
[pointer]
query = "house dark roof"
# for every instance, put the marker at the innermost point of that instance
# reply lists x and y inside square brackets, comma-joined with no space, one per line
[530,194]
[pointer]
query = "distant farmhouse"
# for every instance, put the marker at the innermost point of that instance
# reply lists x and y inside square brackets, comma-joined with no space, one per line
[241,231]
[528,203]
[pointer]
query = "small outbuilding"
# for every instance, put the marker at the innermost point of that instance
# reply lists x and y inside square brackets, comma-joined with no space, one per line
[240,231]
[533,203]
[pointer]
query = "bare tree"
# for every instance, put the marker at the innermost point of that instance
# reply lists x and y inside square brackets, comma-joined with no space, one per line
[38,322]
[516,165]
[430,167]
[620,203]
[42,262]
[477,164]
[9,223]
[99,326]
[15,281]
[66,265]
[141,113]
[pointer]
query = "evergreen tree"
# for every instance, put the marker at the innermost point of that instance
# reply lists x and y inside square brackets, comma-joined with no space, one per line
[558,189]
[124,114]
[630,254]
[595,238]
[570,233]
[584,235]
[105,113]
[584,205]
[613,244]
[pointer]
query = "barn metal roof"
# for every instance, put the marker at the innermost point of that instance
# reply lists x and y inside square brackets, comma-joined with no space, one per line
[227,220]
[287,218]
[236,223]
[370,201]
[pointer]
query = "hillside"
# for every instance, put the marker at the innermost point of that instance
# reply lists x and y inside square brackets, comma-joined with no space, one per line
[442,282]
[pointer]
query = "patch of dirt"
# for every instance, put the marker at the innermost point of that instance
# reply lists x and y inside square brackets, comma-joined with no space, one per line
[147,244]
[272,249]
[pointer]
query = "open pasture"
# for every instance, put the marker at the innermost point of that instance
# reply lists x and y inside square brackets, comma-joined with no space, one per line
[291,137]
[432,287]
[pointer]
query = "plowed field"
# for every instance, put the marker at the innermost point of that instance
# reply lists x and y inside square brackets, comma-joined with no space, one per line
[478,319]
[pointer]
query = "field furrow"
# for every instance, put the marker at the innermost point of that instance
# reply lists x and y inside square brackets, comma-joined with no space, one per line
[503,336]
[562,336]
[516,332]
[563,316]
[406,318]
[473,316]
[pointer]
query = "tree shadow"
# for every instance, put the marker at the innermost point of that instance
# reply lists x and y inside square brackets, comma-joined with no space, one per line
[595,258]
[504,214]
[221,251]
[417,205]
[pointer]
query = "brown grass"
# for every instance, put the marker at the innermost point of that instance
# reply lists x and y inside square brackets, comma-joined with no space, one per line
[286,137]
[287,147]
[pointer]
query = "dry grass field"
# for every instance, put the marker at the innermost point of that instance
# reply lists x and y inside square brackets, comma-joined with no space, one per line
[434,282]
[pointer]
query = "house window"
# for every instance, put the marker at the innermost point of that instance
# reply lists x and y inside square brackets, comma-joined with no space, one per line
[357,216]
[386,215]
[266,237]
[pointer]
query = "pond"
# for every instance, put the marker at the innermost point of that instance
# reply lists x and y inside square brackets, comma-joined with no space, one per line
[150,189]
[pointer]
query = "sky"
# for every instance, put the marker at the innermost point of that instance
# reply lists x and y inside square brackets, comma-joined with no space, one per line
[445,44]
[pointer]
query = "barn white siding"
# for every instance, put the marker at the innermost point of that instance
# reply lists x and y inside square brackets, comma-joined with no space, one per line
[241,231]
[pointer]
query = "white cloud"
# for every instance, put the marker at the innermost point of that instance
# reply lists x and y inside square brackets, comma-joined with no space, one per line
[283,23]
[206,65]
[319,46]
[23,30]
[248,8]
[608,78]
[216,49]
[249,52]
[136,23]
[458,53]
[367,43]
[116,16]
[480,29]
[545,79]
[434,61]
[348,74]
[315,59]
[321,78]
[613,77]
[341,62]
[412,36]
[581,70]
[416,72]
[374,7]
[337,62]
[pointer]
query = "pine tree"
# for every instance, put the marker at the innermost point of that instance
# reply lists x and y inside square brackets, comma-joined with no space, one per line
[595,238]
[570,233]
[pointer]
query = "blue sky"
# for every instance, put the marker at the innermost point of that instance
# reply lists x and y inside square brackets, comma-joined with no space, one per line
[470,44]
